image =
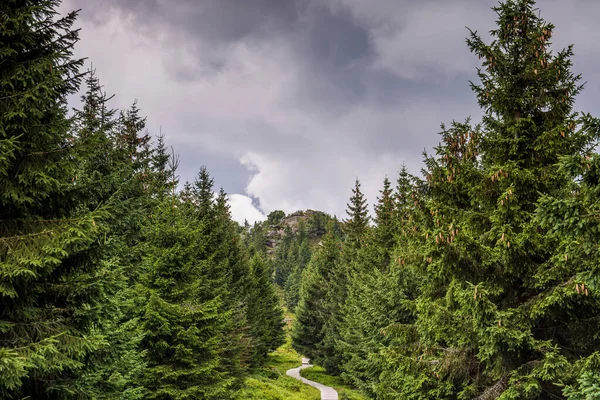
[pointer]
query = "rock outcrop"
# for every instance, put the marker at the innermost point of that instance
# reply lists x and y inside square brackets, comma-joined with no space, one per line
[315,223]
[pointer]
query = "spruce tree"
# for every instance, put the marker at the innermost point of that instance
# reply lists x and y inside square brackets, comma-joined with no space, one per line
[51,294]
[312,310]
[106,178]
[229,249]
[358,217]
[186,317]
[133,141]
[573,217]
[203,193]
[491,319]
[163,167]
[377,299]
[404,195]
[228,252]
[379,294]
[264,312]
[230,269]
[529,126]
[391,298]
[331,347]
[385,211]
[301,259]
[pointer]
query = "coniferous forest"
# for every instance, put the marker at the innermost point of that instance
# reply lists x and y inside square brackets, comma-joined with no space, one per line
[476,278]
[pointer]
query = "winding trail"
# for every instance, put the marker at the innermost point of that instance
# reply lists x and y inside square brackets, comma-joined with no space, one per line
[327,393]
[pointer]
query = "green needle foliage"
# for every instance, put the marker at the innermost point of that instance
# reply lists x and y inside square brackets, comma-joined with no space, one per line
[301,253]
[264,312]
[184,317]
[478,281]
[483,282]
[112,285]
[108,177]
[574,217]
[376,296]
[313,309]
[50,243]
[356,228]
[497,315]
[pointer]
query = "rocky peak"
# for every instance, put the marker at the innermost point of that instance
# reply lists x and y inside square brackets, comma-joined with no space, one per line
[315,222]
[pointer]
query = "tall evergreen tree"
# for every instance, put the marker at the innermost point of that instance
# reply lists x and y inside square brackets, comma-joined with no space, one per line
[378,293]
[573,218]
[402,196]
[301,259]
[51,294]
[264,311]
[204,197]
[228,252]
[230,266]
[356,229]
[106,178]
[163,167]
[377,299]
[185,317]
[312,310]
[385,211]
[486,319]
[358,217]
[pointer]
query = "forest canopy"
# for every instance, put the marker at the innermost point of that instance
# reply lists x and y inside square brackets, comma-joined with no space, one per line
[476,279]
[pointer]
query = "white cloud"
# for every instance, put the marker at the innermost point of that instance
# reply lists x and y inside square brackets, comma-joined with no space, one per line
[243,209]
[368,142]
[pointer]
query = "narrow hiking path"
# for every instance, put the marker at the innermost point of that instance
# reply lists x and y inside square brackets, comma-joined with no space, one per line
[327,393]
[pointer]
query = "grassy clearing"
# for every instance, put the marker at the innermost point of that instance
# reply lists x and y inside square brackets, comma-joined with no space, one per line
[345,392]
[271,382]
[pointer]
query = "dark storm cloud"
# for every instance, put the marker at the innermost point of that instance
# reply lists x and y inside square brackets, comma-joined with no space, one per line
[332,43]
[331,48]
[307,94]
[217,21]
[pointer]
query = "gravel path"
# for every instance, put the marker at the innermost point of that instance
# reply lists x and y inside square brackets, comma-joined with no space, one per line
[327,393]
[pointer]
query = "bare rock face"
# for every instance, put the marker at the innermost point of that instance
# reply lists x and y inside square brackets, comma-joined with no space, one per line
[293,221]
[314,221]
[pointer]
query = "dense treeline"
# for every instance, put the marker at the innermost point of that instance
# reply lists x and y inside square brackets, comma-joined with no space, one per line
[290,241]
[479,280]
[113,284]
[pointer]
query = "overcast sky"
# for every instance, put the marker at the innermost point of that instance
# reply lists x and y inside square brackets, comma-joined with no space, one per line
[288,101]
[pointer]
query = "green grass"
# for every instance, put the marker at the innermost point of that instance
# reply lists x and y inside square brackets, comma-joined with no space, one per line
[271,382]
[345,392]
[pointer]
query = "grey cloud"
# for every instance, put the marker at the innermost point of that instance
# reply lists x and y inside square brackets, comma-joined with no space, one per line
[328,47]
[226,171]
[310,92]
[216,21]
